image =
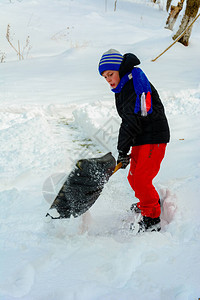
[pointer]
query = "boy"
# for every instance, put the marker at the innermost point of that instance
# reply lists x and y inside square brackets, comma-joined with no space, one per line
[144,127]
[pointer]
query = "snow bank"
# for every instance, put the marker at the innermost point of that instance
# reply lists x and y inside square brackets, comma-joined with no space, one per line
[100,122]
[27,139]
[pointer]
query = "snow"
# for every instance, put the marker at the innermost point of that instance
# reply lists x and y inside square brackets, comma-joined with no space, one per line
[56,109]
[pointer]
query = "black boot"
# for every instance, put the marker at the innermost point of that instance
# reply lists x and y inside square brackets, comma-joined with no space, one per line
[135,208]
[146,224]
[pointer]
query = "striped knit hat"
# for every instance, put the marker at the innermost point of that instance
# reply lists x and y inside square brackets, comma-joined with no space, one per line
[110,60]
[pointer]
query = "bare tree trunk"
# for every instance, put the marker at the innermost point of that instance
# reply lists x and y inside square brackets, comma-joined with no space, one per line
[168,4]
[115,5]
[173,15]
[178,38]
[191,12]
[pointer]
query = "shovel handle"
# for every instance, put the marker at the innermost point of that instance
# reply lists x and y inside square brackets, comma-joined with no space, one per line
[118,166]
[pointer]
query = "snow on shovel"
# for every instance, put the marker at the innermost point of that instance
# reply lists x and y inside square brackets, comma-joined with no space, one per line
[83,186]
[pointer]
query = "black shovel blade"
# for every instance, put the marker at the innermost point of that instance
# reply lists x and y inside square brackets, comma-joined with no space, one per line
[82,187]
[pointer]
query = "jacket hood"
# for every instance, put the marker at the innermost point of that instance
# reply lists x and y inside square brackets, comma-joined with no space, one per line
[129,62]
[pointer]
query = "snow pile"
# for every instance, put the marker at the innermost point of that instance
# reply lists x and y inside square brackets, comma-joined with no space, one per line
[183,102]
[100,123]
[28,141]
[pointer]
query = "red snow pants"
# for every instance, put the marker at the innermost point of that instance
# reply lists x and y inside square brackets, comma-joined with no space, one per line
[144,166]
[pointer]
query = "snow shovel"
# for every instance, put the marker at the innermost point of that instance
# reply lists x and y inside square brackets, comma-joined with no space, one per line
[83,186]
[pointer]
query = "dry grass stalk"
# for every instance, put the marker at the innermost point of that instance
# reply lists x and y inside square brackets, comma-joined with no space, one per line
[27,46]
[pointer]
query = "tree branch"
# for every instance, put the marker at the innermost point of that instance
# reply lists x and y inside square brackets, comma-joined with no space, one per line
[178,38]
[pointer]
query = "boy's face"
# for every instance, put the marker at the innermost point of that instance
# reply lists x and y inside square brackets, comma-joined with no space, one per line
[112,77]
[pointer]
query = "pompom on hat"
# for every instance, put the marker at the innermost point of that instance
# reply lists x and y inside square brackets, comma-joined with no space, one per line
[110,60]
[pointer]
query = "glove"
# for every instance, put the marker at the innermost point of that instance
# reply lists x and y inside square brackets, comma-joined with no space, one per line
[124,159]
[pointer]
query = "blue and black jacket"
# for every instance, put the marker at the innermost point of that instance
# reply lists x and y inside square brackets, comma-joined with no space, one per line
[136,129]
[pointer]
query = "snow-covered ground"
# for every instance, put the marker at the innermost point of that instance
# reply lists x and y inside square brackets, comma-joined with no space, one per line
[55,109]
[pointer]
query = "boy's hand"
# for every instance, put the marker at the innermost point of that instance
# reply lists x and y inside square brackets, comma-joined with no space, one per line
[124,159]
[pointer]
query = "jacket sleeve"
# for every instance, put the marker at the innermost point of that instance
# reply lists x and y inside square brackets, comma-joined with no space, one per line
[130,126]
